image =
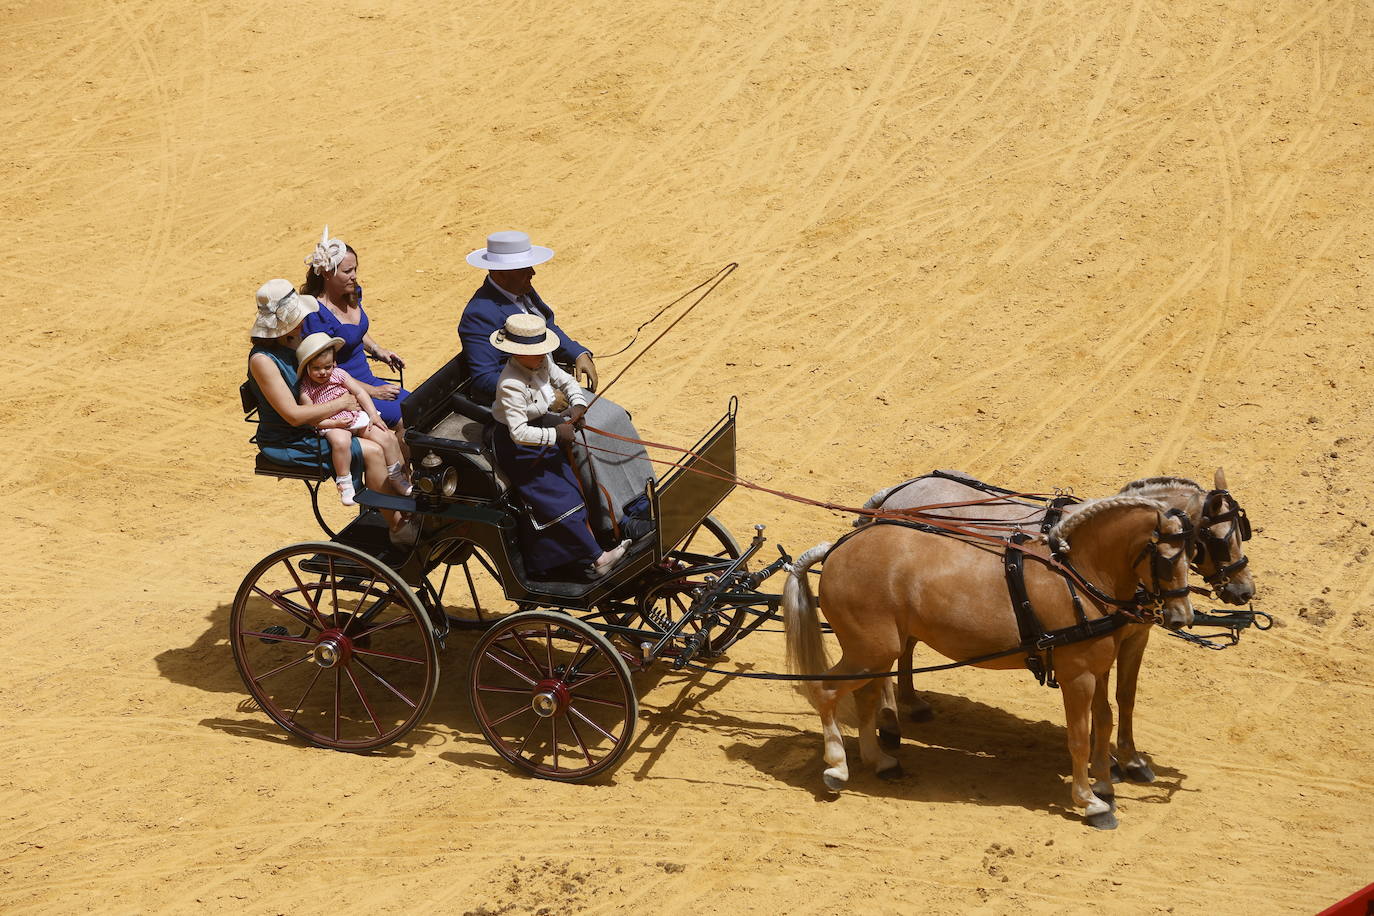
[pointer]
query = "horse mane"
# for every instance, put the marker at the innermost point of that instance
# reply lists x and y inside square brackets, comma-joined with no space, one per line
[1160,483]
[1093,508]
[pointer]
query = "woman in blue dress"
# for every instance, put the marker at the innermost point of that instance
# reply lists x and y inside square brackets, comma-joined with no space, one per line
[333,279]
[286,428]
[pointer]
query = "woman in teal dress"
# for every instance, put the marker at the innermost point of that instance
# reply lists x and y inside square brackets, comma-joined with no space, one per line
[286,428]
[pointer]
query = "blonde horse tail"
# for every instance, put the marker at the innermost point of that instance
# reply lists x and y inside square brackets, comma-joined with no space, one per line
[874,502]
[805,652]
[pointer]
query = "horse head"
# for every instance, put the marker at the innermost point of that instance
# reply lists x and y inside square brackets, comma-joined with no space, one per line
[1219,552]
[1136,550]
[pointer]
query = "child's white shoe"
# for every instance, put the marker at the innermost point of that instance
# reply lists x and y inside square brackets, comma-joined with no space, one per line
[399,479]
[345,485]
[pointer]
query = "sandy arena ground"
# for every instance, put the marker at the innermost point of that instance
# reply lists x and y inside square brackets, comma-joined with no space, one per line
[1048,243]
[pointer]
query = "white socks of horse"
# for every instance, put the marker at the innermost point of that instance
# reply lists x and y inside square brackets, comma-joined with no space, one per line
[345,485]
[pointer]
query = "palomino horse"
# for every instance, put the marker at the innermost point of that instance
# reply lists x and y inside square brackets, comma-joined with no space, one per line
[1219,557]
[886,582]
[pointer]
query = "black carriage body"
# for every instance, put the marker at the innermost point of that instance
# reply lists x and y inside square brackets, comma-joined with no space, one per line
[338,641]
[448,437]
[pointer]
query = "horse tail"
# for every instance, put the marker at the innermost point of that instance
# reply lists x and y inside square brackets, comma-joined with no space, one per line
[805,651]
[875,502]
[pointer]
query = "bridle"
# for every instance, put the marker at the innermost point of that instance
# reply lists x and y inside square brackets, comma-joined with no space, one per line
[1216,547]
[1161,567]
[1147,604]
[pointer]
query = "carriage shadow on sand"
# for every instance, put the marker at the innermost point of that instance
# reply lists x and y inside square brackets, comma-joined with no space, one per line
[207,664]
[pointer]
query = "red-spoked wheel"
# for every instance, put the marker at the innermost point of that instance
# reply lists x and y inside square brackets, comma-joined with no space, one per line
[552,695]
[334,646]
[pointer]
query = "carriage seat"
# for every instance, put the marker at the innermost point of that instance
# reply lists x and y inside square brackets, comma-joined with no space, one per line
[266,467]
[469,452]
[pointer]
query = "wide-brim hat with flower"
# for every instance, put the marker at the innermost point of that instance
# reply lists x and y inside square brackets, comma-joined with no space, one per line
[314,345]
[526,335]
[281,309]
[509,251]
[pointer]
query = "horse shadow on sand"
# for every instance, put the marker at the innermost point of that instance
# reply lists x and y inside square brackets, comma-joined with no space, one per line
[968,752]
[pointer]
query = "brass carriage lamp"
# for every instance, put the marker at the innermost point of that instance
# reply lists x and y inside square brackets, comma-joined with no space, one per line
[434,478]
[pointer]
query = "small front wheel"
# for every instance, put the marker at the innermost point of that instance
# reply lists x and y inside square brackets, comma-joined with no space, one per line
[552,695]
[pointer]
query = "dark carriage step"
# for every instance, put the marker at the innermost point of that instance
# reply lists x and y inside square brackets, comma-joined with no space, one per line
[368,533]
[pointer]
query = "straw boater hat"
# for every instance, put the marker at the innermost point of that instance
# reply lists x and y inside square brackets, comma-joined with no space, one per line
[280,309]
[526,335]
[509,251]
[314,345]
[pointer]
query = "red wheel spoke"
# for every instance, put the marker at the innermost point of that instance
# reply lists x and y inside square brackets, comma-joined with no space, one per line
[529,656]
[548,646]
[359,609]
[314,605]
[580,743]
[553,724]
[511,715]
[597,701]
[383,681]
[259,679]
[491,689]
[276,637]
[590,678]
[391,655]
[574,711]
[520,674]
[302,614]
[301,701]
[520,749]
[399,621]
[338,696]
[348,670]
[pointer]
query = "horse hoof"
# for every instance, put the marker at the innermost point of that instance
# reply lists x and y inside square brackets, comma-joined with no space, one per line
[833,783]
[892,773]
[921,714]
[889,740]
[1109,799]
[1105,820]
[1140,772]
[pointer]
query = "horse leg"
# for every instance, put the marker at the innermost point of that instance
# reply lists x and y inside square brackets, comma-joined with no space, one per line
[837,766]
[1130,764]
[866,700]
[889,724]
[918,710]
[1078,692]
[1102,742]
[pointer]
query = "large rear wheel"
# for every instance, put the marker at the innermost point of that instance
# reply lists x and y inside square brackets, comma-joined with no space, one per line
[334,646]
[552,695]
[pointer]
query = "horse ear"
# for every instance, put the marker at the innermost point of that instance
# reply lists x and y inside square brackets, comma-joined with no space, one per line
[1219,480]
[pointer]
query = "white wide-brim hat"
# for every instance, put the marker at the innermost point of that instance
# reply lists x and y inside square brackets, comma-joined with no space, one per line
[526,335]
[313,346]
[509,251]
[281,309]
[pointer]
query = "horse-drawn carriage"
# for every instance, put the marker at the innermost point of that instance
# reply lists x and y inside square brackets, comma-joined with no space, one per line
[338,641]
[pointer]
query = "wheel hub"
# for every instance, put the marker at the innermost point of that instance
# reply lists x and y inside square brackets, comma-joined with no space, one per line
[333,648]
[550,698]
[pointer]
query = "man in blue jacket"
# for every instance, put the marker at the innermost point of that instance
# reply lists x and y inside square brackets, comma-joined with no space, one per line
[616,468]
[509,260]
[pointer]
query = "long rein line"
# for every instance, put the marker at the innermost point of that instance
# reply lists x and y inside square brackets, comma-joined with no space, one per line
[946,526]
